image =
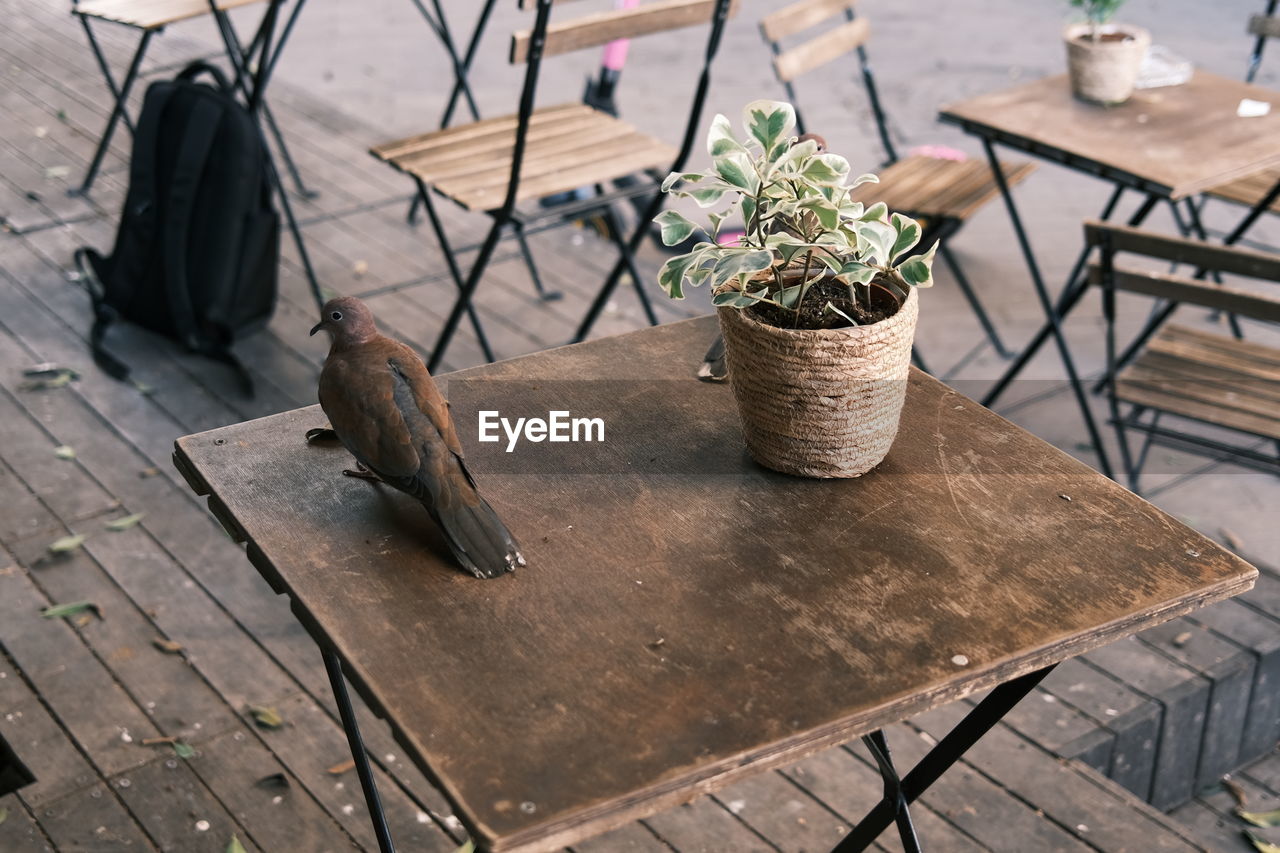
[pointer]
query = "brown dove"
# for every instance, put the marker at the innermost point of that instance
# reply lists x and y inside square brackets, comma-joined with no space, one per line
[387,411]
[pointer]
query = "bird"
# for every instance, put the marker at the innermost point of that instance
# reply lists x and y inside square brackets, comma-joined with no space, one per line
[714,368]
[386,410]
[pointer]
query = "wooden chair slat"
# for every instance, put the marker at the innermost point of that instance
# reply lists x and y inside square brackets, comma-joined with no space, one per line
[1180,289]
[151,14]
[482,152]
[1165,399]
[474,131]
[1249,190]
[603,27]
[1264,25]
[1183,250]
[800,16]
[821,49]
[1242,356]
[933,187]
[1238,394]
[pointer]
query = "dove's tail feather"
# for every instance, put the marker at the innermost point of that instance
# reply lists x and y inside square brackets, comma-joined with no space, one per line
[478,538]
[713,368]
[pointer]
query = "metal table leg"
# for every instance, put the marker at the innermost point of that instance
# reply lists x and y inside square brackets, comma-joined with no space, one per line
[119,110]
[339,684]
[1046,304]
[900,793]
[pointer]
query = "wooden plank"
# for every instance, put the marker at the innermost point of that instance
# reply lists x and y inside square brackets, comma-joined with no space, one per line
[1061,728]
[602,27]
[1184,696]
[19,832]
[1181,289]
[1168,397]
[632,838]
[781,811]
[1134,720]
[178,811]
[1178,141]
[1096,587]
[1230,671]
[799,16]
[820,50]
[93,819]
[1184,250]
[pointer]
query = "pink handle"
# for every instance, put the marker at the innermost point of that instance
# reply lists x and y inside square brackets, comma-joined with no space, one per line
[615,52]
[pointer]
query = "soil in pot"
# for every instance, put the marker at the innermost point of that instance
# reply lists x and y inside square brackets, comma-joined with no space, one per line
[813,313]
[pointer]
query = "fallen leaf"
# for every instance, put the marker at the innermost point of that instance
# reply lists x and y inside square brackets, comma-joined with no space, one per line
[468,846]
[148,472]
[58,611]
[83,620]
[66,543]
[275,780]
[57,171]
[184,750]
[44,384]
[1235,790]
[50,369]
[1261,845]
[167,646]
[141,387]
[339,769]
[266,717]
[1182,639]
[118,524]
[64,451]
[360,268]
[1271,818]
[1231,538]
[62,116]
[234,845]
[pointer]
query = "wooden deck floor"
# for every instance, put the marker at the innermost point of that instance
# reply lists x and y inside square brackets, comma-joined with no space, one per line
[190,639]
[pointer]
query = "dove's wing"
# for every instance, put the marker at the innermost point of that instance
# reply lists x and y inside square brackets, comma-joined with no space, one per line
[358,394]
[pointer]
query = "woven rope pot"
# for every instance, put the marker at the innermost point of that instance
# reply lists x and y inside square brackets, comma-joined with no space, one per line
[822,402]
[1105,71]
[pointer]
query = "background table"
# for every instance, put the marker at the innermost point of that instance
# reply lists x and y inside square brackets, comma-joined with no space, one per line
[1169,143]
[687,617]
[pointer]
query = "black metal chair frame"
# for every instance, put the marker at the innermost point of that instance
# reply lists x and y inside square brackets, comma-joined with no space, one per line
[900,791]
[120,91]
[1259,45]
[1152,430]
[936,228]
[522,224]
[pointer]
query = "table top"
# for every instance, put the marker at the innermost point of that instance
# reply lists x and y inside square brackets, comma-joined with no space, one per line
[1175,140]
[686,616]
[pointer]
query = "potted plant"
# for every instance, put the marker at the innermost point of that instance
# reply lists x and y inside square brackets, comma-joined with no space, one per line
[1104,58]
[816,299]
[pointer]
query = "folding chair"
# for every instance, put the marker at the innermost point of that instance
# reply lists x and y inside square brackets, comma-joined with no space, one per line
[942,193]
[1186,374]
[151,17]
[495,165]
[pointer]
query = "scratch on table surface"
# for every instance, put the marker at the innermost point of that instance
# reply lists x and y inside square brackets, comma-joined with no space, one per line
[942,461]
[861,519]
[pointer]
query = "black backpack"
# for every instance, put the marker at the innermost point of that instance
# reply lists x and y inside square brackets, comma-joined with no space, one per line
[198,248]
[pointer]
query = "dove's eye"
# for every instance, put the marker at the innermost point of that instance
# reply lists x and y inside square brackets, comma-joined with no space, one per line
[337,315]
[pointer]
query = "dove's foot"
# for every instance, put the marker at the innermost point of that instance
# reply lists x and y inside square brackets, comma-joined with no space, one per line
[321,434]
[361,473]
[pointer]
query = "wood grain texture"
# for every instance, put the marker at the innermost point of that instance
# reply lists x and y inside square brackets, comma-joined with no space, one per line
[1250,189]
[794,614]
[796,17]
[821,49]
[923,186]
[151,14]
[1179,288]
[1183,250]
[1177,140]
[602,27]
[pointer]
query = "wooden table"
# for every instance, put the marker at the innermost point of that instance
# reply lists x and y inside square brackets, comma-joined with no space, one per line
[686,616]
[1169,143]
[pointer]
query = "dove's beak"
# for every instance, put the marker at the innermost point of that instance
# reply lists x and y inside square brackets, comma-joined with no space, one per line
[317,327]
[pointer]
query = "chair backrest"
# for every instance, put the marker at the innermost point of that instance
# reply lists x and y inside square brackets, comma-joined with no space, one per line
[544,39]
[1263,27]
[848,35]
[1205,257]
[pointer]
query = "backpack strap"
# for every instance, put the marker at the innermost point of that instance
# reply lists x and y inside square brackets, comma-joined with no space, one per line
[197,142]
[88,261]
[195,69]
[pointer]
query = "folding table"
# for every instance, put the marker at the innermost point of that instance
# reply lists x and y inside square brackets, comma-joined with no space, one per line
[688,617]
[1169,143]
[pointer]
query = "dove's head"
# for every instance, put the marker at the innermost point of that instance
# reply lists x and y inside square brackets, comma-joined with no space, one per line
[348,320]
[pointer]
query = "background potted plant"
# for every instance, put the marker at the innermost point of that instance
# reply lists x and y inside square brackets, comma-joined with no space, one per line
[816,299]
[1104,58]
